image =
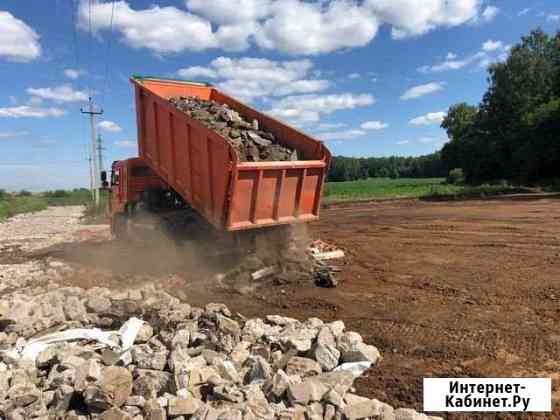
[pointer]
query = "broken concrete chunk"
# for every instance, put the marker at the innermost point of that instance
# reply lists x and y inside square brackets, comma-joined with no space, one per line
[361,352]
[151,383]
[409,414]
[228,326]
[115,414]
[303,366]
[280,320]
[113,389]
[98,304]
[144,334]
[154,411]
[361,410]
[146,356]
[86,374]
[24,395]
[183,407]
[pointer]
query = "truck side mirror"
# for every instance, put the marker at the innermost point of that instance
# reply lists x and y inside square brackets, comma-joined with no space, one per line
[104,183]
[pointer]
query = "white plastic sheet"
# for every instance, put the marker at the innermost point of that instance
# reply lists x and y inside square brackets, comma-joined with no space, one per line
[356,368]
[31,349]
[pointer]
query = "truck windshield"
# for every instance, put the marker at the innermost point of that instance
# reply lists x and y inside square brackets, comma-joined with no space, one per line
[115,177]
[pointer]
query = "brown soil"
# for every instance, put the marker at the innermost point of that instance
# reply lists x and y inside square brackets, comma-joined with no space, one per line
[462,289]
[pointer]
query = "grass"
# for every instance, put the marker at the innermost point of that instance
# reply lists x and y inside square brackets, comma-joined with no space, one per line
[425,188]
[26,202]
[479,191]
[12,205]
[379,188]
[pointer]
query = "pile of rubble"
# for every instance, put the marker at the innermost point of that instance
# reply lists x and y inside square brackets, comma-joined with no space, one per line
[251,143]
[180,362]
[294,261]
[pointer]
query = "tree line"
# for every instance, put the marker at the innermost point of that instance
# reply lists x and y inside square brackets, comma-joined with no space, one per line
[350,169]
[514,133]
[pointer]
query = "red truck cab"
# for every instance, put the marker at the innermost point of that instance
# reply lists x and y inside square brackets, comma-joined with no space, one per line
[130,179]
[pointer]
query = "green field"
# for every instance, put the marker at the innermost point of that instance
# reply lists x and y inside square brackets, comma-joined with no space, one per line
[26,202]
[376,188]
[428,188]
[365,189]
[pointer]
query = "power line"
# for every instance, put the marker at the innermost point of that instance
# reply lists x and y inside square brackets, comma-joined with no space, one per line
[74,33]
[90,64]
[108,53]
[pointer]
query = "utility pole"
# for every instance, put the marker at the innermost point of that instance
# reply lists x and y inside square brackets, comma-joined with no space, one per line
[100,149]
[90,162]
[92,113]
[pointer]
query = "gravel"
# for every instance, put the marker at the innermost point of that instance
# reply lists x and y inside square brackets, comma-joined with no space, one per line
[252,143]
[186,362]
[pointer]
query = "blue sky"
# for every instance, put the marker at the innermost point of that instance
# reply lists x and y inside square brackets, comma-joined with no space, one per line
[370,77]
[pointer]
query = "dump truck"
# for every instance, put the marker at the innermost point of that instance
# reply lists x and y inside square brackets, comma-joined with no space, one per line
[183,166]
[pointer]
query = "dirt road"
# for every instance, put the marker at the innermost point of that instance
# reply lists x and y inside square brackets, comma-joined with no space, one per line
[442,289]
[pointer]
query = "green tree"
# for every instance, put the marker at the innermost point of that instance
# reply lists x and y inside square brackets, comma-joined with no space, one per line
[513,133]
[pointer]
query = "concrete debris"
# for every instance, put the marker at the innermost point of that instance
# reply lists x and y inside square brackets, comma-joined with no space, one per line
[252,144]
[206,364]
[324,251]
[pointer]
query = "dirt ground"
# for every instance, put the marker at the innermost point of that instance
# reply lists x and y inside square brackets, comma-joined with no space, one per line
[461,289]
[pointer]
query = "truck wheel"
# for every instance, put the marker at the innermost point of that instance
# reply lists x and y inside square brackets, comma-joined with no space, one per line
[119,226]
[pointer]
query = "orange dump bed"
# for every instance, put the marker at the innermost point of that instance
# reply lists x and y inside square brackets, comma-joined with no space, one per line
[205,170]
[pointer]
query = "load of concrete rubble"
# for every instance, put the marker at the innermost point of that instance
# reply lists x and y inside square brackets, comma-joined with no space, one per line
[142,354]
[252,143]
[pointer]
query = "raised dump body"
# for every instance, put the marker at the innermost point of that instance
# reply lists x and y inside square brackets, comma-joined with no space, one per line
[201,166]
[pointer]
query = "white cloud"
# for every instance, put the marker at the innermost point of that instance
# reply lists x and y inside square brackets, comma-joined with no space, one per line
[250,78]
[428,119]
[450,56]
[448,64]
[342,135]
[354,75]
[63,93]
[553,18]
[74,73]
[126,143]
[402,142]
[373,125]
[524,11]
[491,45]
[195,72]
[230,12]
[163,30]
[482,58]
[298,27]
[12,134]
[428,140]
[328,126]
[18,41]
[308,108]
[109,126]
[490,13]
[26,111]
[421,90]
[412,18]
